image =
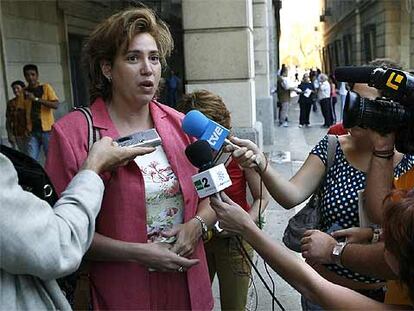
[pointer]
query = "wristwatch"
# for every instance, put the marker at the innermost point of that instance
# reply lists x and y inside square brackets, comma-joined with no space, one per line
[376,234]
[204,228]
[337,252]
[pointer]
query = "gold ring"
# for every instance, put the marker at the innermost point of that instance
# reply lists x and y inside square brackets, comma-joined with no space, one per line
[180,269]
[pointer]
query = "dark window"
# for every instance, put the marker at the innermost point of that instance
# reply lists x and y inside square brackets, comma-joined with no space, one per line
[79,77]
[347,41]
[369,43]
[325,59]
[331,56]
[337,52]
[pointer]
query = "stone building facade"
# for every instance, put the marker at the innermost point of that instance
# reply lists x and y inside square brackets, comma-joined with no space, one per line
[226,46]
[357,31]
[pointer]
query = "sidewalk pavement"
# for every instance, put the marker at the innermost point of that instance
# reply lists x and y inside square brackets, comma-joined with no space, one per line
[288,152]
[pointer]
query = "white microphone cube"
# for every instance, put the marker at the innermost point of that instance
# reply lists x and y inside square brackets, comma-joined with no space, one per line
[211,181]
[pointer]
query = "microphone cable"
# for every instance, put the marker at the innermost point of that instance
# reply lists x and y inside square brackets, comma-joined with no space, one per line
[260,225]
[259,275]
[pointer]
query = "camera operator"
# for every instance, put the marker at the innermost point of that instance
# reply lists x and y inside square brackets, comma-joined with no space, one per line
[39,244]
[380,181]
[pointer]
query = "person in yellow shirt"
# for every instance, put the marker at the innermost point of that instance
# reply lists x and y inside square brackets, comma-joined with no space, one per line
[40,101]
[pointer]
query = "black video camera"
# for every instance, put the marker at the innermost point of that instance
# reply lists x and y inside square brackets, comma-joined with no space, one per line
[392,112]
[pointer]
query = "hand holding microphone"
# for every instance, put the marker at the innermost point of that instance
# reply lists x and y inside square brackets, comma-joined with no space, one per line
[230,215]
[211,179]
[198,125]
[247,154]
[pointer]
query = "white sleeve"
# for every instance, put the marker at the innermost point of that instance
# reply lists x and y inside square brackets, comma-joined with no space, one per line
[285,83]
[38,240]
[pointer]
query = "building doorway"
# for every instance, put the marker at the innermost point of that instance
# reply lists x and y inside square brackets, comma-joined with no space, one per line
[78,77]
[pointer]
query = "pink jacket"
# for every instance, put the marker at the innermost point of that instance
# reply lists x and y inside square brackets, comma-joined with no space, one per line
[123,215]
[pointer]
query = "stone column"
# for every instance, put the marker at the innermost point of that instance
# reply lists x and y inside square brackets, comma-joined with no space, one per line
[219,56]
[262,12]
[4,93]
[394,21]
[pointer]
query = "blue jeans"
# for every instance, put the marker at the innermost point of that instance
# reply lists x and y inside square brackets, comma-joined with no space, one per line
[36,141]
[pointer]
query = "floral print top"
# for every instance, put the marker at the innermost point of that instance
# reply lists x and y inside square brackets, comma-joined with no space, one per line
[164,200]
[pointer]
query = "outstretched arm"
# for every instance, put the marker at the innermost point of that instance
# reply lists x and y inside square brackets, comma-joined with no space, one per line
[287,193]
[292,269]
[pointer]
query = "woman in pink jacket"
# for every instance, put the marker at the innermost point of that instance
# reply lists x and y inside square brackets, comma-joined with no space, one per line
[147,252]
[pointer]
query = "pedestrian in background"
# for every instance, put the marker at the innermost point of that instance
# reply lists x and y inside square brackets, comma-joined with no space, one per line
[334,99]
[16,118]
[343,90]
[284,88]
[40,101]
[306,98]
[172,83]
[314,77]
[324,97]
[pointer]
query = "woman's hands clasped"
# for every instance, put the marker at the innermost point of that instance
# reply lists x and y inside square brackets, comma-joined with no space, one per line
[160,257]
[187,237]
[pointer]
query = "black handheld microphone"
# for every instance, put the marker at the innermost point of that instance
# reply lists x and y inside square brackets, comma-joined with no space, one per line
[355,74]
[211,178]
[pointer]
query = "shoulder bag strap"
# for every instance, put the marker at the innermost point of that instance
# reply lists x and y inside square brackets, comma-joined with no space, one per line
[332,142]
[93,132]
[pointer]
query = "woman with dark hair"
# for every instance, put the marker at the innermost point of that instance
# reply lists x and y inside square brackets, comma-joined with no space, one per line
[151,219]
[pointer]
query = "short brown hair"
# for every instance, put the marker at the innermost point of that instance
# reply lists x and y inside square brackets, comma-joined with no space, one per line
[209,104]
[399,233]
[116,32]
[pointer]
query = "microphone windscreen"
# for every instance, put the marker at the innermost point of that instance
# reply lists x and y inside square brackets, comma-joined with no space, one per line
[199,154]
[354,74]
[195,123]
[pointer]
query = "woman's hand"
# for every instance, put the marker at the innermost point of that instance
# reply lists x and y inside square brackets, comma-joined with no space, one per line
[381,142]
[230,215]
[160,257]
[248,154]
[187,237]
[317,246]
[354,235]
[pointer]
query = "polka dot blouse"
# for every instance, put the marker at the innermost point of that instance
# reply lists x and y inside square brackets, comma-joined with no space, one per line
[340,199]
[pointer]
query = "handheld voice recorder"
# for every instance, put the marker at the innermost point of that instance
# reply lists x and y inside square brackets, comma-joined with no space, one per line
[147,138]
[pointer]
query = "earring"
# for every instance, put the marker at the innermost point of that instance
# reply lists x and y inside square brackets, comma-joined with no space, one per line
[109,78]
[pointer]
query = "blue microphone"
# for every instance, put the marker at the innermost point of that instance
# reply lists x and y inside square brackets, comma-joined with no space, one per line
[198,125]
